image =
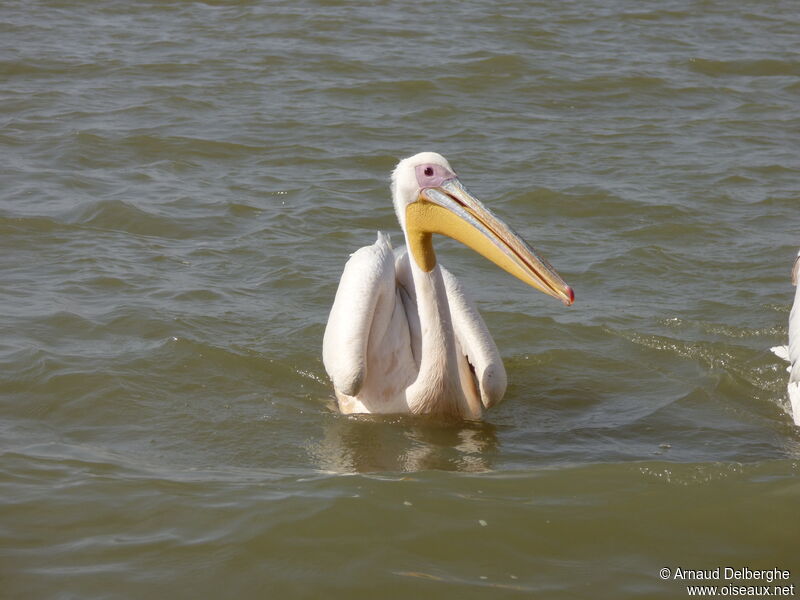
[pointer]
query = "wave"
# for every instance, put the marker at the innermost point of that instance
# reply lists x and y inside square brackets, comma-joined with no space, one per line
[751,68]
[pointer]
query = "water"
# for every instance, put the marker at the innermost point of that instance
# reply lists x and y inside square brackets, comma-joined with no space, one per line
[182,184]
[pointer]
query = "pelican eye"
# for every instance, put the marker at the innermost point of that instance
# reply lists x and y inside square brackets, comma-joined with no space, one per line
[428,171]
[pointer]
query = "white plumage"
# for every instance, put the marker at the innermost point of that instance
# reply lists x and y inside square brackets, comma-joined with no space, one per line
[791,353]
[402,335]
[373,351]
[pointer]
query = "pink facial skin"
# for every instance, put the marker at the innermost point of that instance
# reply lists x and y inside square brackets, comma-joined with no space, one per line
[431,175]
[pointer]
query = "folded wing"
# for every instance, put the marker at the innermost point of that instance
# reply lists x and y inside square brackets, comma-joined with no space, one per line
[368,280]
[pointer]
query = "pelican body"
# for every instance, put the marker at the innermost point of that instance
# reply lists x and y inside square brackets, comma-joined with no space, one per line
[402,335]
[791,353]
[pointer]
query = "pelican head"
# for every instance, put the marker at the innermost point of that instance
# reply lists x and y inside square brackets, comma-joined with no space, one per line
[429,198]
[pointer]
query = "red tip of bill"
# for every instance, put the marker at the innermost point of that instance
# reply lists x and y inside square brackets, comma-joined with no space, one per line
[571,295]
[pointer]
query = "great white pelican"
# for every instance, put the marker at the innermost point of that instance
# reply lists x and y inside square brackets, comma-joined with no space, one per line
[402,336]
[791,353]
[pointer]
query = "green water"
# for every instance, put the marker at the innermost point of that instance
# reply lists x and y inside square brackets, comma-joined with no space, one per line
[182,183]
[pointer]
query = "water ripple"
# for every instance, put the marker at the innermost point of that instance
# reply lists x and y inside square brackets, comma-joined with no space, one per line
[183,183]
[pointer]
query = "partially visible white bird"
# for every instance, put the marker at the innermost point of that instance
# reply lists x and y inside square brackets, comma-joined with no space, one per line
[791,353]
[402,336]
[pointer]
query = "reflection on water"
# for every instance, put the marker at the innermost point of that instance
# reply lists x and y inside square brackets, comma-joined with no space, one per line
[369,443]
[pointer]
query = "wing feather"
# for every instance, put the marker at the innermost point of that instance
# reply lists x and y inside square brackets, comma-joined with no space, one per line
[476,342]
[368,276]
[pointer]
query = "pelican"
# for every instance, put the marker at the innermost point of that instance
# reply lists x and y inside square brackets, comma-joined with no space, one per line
[402,335]
[791,353]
